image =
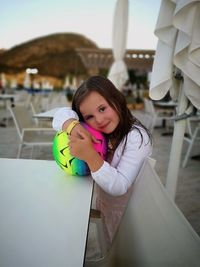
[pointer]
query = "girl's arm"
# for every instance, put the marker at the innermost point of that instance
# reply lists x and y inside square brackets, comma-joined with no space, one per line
[80,140]
[62,119]
[117,177]
[62,116]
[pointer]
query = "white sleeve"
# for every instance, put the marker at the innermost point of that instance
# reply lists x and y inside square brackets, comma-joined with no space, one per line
[116,179]
[62,115]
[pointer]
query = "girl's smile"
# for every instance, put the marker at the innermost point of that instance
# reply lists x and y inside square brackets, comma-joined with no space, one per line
[98,113]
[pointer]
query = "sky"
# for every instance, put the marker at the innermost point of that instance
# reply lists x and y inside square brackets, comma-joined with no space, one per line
[24,20]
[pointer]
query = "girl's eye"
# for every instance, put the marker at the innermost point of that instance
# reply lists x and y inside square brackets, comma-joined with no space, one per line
[88,117]
[102,109]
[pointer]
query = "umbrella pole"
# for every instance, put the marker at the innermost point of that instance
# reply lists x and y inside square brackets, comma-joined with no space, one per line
[176,146]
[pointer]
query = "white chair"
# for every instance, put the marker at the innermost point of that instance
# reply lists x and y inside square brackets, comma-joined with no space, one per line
[36,102]
[145,118]
[28,131]
[22,98]
[153,231]
[33,111]
[156,115]
[42,123]
[192,135]
[56,99]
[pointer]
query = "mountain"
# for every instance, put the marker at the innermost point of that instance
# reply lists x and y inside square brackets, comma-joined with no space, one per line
[53,55]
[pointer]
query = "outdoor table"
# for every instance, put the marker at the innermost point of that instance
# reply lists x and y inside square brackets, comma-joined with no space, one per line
[168,107]
[46,115]
[5,97]
[44,214]
[197,117]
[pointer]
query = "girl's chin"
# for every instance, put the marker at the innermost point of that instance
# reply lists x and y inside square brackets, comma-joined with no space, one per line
[107,131]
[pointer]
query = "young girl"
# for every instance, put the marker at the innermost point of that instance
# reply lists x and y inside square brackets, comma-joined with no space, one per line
[98,103]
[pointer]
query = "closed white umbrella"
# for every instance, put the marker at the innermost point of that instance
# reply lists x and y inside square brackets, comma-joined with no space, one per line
[67,83]
[74,83]
[3,80]
[177,55]
[27,81]
[118,73]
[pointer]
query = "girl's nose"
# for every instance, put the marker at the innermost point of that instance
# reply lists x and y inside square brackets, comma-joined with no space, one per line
[99,119]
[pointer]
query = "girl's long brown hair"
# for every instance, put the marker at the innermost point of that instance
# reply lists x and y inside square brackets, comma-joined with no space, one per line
[116,100]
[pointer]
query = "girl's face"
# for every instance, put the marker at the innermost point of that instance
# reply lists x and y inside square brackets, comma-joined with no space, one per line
[98,113]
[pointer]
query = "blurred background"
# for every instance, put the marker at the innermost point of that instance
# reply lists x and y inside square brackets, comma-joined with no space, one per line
[55,45]
[47,48]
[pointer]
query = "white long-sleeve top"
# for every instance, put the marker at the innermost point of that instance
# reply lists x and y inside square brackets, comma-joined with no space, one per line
[117,177]
[114,181]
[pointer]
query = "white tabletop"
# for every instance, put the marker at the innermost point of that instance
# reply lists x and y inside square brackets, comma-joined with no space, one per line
[7,96]
[46,114]
[44,214]
[170,104]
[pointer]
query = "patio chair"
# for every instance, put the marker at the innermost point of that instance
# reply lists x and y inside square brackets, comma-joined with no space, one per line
[153,231]
[192,135]
[22,98]
[57,99]
[36,102]
[157,114]
[28,131]
[42,123]
[145,118]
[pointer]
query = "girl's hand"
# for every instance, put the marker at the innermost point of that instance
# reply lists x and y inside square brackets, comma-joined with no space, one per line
[82,147]
[79,128]
[81,144]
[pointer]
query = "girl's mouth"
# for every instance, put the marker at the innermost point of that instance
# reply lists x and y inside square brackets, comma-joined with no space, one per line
[104,126]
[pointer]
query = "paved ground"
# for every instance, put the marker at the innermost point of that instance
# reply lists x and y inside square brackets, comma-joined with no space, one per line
[188,189]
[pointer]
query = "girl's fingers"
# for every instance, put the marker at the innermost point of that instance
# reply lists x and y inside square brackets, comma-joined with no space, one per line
[73,138]
[82,134]
[94,140]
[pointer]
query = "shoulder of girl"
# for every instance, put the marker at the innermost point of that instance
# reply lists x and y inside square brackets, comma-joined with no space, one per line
[136,133]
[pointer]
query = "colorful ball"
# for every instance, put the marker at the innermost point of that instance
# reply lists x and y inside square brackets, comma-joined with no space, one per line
[66,161]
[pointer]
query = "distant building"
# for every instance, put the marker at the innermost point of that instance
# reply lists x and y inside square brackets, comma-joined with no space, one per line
[98,61]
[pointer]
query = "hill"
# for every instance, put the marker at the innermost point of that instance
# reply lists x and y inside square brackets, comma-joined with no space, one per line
[53,55]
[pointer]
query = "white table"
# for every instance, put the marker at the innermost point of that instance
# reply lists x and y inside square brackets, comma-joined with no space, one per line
[7,96]
[163,104]
[48,115]
[44,214]
[166,107]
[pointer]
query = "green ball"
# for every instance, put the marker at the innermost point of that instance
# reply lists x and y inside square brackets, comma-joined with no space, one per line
[64,159]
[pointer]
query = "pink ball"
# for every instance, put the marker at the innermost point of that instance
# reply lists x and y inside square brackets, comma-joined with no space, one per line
[100,147]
